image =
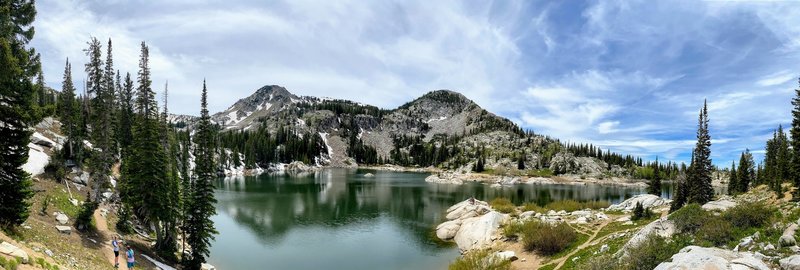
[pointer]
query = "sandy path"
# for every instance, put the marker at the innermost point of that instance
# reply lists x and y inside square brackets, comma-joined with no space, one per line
[586,244]
[105,236]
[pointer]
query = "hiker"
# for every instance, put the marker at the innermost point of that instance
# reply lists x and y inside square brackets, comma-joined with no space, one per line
[115,245]
[130,257]
[472,200]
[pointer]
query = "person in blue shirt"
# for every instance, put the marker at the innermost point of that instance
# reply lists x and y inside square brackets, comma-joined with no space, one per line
[131,260]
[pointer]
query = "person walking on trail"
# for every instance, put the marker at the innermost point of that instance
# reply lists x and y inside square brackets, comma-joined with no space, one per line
[115,245]
[129,254]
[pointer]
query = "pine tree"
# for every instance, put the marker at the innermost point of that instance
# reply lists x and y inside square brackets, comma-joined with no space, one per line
[795,133]
[681,186]
[17,65]
[102,124]
[733,182]
[746,173]
[699,180]
[655,184]
[126,116]
[200,226]
[147,184]
[68,112]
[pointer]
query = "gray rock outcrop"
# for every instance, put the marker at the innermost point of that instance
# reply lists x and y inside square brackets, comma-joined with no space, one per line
[471,224]
[694,257]
[647,201]
[790,263]
[13,251]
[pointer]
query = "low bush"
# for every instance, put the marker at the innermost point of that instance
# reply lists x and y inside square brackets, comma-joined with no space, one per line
[502,205]
[482,260]
[750,215]
[715,231]
[603,262]
[689,218]
[650,252]
[533,207]
[545,238]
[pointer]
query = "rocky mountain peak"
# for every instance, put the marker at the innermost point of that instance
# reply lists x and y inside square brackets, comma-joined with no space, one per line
[272,92]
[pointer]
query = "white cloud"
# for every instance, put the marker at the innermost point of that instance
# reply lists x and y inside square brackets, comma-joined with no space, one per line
[777,78]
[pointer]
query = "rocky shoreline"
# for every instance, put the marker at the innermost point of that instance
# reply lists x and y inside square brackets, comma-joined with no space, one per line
[475,226]
[500,180]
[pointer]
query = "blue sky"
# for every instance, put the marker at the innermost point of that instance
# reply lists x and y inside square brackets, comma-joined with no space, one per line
[625,75]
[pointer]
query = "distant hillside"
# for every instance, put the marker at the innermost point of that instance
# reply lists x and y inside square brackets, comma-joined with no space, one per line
[441,128]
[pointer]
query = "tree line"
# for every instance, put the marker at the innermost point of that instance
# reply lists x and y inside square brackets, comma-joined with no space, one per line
[114,120]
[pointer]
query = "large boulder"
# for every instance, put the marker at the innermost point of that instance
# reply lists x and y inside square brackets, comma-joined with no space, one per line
[64,229]
[662,227]
[62,218]
[448,230]
[477,232]
[468,211]
[647,201]
[791,262]
[719,205]
[787,239]
[13,251]
[694,257]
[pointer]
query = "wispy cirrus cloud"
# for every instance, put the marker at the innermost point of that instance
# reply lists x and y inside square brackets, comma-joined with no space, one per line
[625,75]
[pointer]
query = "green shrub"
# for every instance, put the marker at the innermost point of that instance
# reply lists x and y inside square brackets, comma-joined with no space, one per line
[541,173]
[533,207]
[546,239]
[750,215]
[715,231]
[651,251]
[45,203]
[566,205]
[640,212]
[84,219]
[502,205]
[689,218]
[603,262]
[573,205]
[479,260]
[596,204]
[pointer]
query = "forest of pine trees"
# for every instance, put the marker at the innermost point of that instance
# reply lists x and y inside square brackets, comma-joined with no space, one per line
[122,120]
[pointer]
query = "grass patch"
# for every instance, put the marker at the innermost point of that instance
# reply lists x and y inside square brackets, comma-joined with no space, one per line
[502,205]
[529,206]
[540,173]
[481,259]
[572,205]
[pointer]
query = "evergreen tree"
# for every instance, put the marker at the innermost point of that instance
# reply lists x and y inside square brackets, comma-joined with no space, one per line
[18,64]
[68,112]
[521,161]
[795,133]
[733,182]
[147,182]
[681,185]
[746,173]
[102,123]
[126,115]
[655,184]
[200,226]
[699,180]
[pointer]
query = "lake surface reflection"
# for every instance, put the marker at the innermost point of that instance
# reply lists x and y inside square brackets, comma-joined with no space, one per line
[340,219]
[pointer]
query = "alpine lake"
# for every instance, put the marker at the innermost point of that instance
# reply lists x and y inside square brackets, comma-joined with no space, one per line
[342,219]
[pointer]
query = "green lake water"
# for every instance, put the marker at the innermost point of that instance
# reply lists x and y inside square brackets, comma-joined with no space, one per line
[340,219]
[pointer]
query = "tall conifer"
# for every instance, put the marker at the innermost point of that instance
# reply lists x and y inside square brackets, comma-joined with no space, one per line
[17,66]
